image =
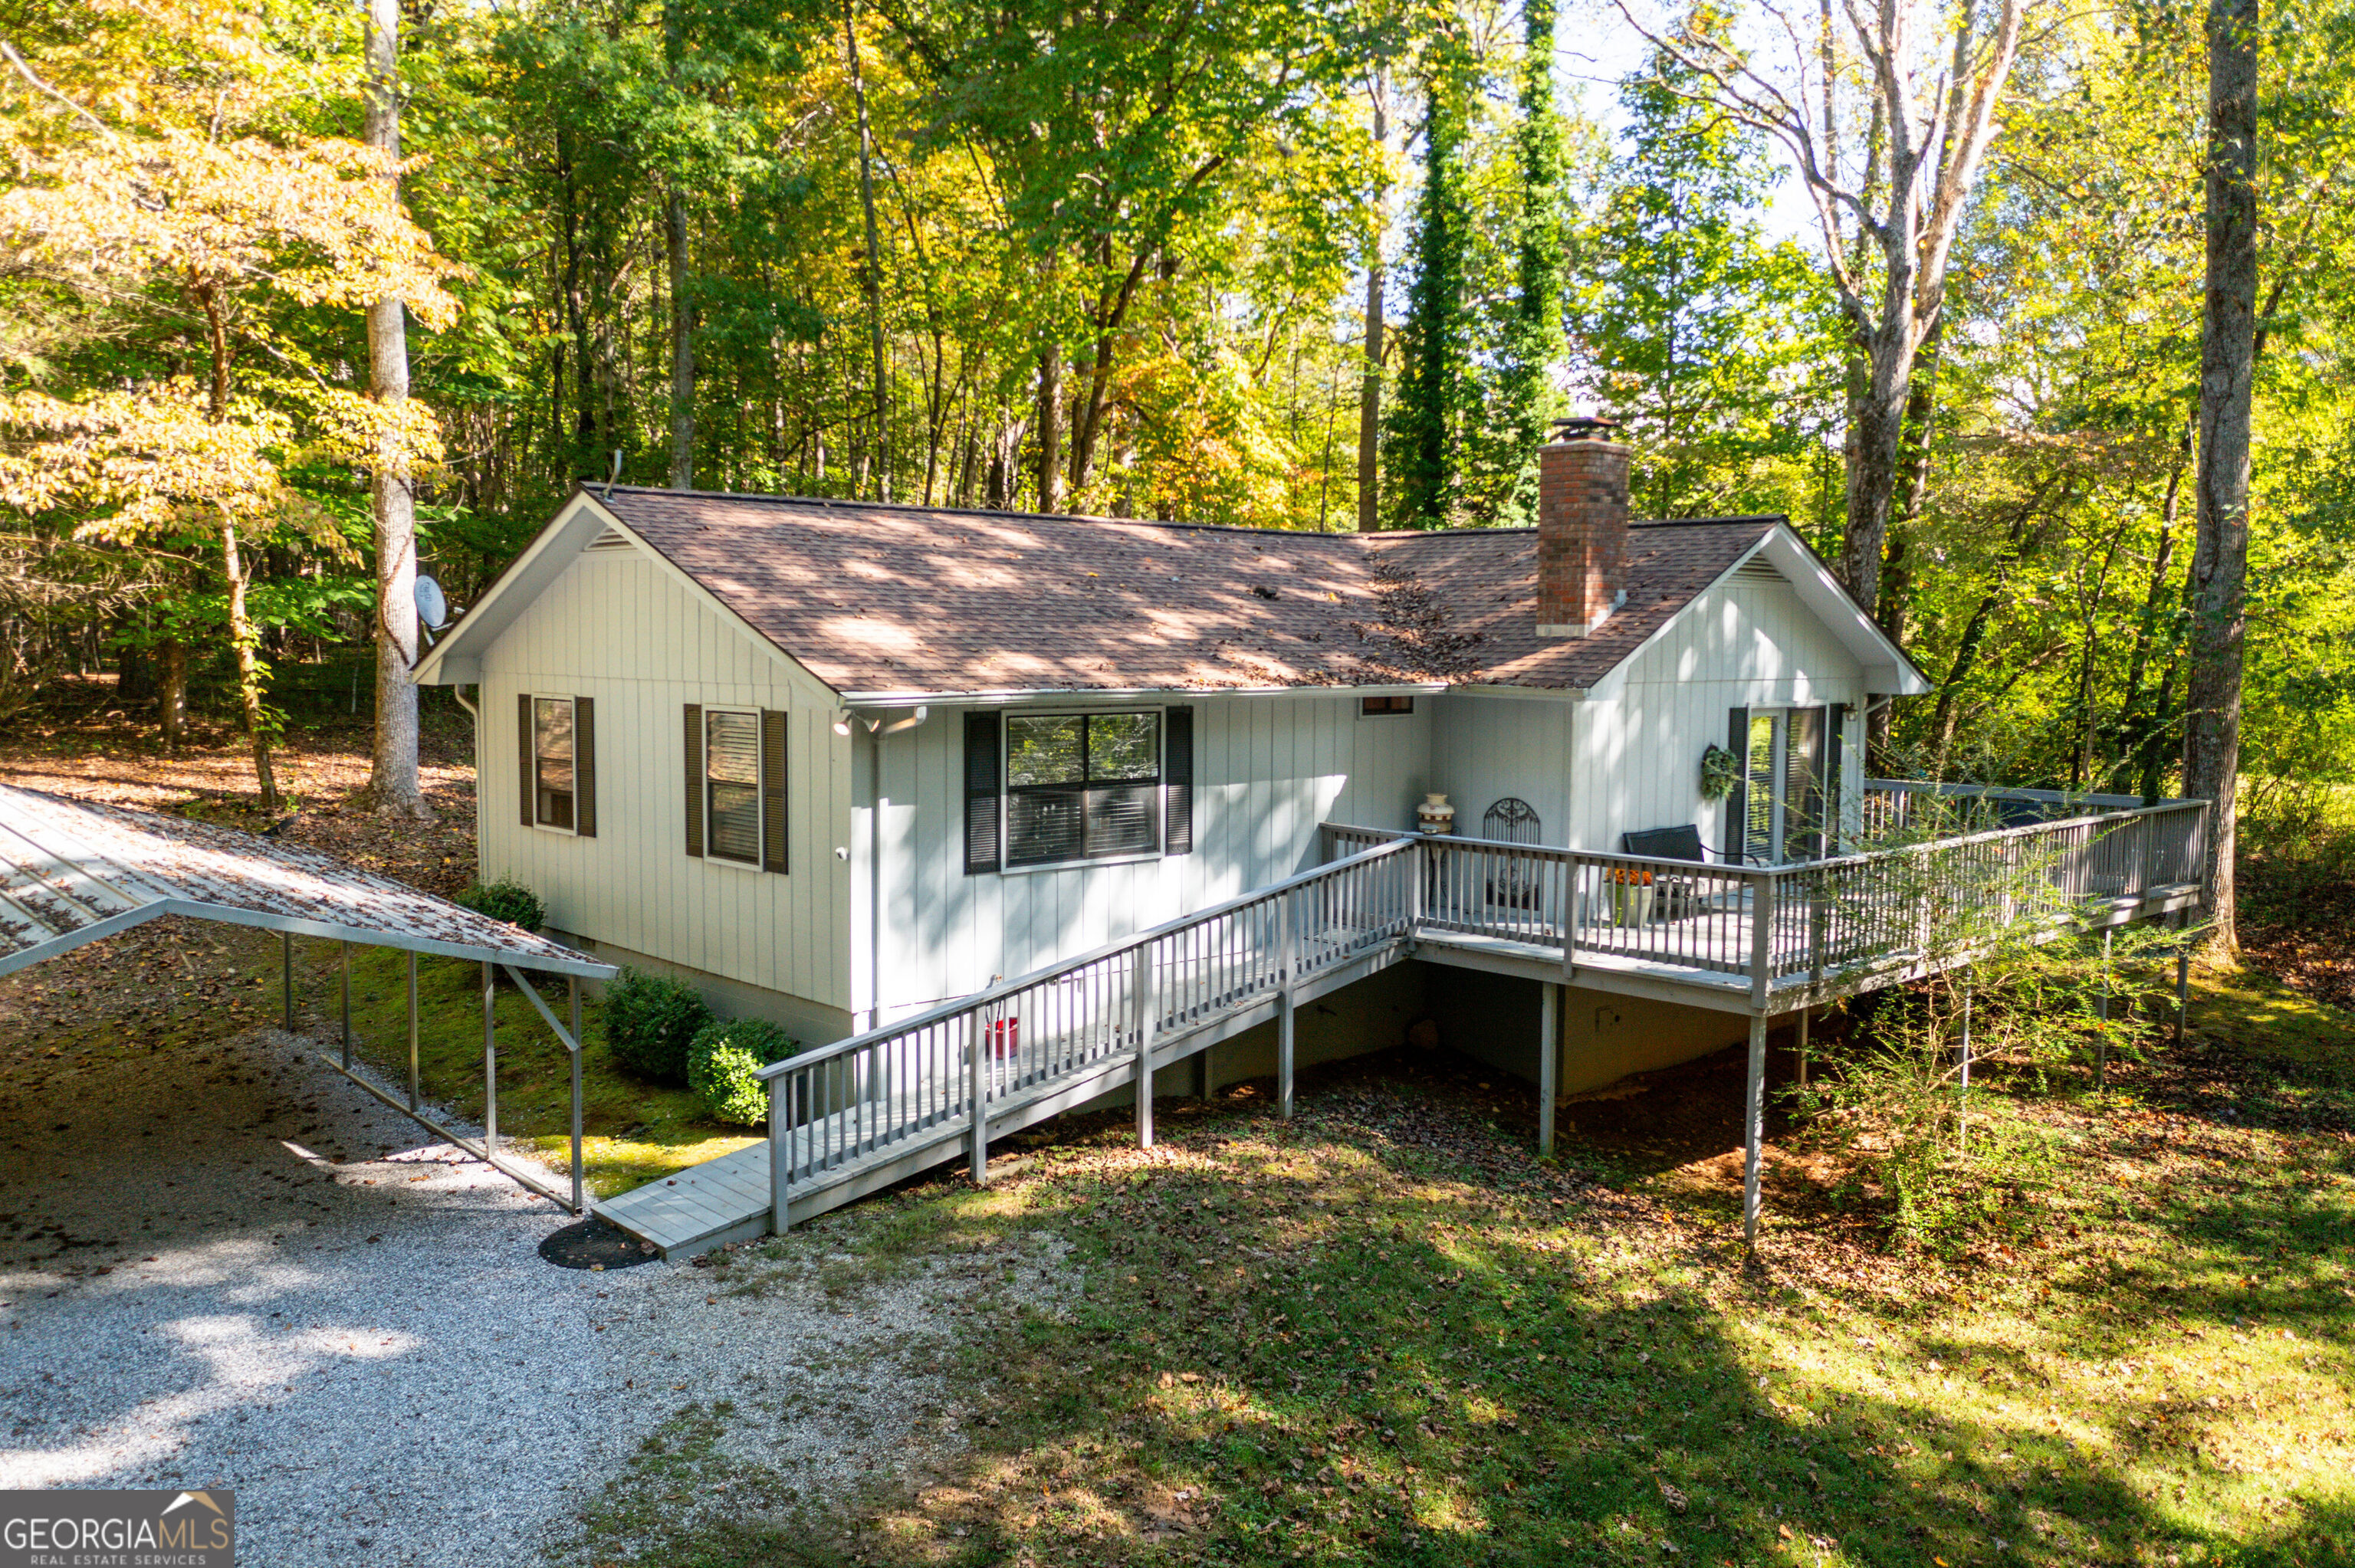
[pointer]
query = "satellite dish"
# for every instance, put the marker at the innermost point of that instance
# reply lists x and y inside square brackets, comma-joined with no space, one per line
[432,608]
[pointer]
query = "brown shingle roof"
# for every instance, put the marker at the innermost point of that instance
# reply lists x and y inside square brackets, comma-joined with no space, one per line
[876,599]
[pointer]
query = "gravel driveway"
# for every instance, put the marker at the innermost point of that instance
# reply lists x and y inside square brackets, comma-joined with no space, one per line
[228,1268]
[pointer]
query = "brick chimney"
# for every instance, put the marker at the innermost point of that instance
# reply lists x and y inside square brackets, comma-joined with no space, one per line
[1582,527]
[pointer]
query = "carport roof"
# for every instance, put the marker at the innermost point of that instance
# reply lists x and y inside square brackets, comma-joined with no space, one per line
[72,871]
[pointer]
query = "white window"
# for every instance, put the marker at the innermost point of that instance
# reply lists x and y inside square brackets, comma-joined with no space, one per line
[554,776]
[731,784]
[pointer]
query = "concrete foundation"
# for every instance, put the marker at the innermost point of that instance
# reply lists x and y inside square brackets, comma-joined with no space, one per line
[811,1022]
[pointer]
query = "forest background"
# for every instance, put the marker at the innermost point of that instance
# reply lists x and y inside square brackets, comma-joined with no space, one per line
[1304,263]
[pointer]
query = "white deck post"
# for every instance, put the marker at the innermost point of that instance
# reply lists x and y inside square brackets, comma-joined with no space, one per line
[1549,1061]
[1754,1129]
[412,1030]
[1806,1015]
[490,1068]
[1141,990]
[976,1055]
[780,1155]
[1287,949]
[286,977]
[575,1044]
[347,1004]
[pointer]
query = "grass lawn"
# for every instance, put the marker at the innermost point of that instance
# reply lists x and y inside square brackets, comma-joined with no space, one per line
[1386,1333]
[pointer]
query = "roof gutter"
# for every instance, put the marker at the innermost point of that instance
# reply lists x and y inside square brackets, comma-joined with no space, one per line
[992,699]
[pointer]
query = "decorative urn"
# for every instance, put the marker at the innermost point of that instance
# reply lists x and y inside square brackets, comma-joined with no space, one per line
[1436,815]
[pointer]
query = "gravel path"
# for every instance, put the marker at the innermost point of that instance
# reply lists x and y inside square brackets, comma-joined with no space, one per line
[231,1268]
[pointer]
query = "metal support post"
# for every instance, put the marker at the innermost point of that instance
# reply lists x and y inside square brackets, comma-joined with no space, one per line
[976,1055]
[1149,1008]
[490,1067]
[2102,1006]
[575,1043]
[1754,1129]
[1549,1061]
[2182,975]
[1207,1080]
[412,1030]
[1962,1111]
[286,977]
[1806,1015]
[347,1004]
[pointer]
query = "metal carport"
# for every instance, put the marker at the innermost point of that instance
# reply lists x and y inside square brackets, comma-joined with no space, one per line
[73,872]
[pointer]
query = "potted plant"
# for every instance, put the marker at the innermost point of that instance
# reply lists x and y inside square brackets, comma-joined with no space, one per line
[1631,895]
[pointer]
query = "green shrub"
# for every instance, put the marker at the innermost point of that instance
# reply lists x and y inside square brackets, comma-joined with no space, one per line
[650,1021]
[723,1062]
[505,900]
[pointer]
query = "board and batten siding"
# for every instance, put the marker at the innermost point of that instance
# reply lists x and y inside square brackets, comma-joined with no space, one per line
[618,627]
[1748,642]
[1267,771]
[1486,747]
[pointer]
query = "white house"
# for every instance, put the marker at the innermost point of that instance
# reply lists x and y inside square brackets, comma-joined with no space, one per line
[841,761]
[852,766]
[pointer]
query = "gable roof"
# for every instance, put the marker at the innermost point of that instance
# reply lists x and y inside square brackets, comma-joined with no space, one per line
[881,601]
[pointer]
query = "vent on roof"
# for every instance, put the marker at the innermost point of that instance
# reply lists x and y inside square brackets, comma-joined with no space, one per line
[611,539]
[1757,569]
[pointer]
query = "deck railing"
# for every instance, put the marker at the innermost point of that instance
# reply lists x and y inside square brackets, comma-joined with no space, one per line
[938,1075]
[1771,926]
[857,1098]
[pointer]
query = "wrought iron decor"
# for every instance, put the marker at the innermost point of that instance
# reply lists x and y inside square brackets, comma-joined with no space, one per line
[1514,821]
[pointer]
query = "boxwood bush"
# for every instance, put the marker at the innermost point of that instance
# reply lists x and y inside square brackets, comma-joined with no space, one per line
[505,900]
[723,1060]
[650,1021]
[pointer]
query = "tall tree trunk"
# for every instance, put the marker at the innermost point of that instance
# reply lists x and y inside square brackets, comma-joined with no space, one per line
[874,268]
[2219,562]
[245,642]
[172,691]
[676,261]
[1050,425]
[682,348]
[1369,390]
[393,787]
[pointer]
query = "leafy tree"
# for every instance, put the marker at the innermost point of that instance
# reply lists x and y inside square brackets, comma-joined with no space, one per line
[1436,394]
[1532,347]
[1712,344]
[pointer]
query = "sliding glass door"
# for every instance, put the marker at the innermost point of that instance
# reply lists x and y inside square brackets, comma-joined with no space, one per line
[1789,782]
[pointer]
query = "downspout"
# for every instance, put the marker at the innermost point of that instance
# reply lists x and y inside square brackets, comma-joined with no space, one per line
[876,730]
[458,691]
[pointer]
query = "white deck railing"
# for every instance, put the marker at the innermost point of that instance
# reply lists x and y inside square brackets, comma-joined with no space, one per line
[856,1099]
[909,1086]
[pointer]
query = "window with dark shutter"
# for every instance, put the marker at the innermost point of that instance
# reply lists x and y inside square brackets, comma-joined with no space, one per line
[524,768]
[731,803]
[1082,786]
[1178,780]
[551,763]
[695,779]
[981,794]
[584,767]
[773,789]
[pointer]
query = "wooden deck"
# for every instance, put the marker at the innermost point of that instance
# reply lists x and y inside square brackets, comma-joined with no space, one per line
[855,1116]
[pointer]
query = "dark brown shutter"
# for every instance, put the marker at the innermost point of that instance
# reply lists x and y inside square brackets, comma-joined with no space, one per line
[695,779]
[1178,780]
[584,767]
[1835,722]
[981,793]
[524,764]
[773,789]
[1737,801]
